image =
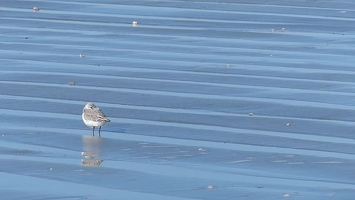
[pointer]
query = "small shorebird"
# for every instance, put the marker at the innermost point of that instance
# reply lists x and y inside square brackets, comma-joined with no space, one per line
[94,117]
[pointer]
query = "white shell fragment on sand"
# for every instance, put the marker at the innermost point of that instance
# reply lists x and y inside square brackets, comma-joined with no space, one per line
[210,187]
[201,149]
[134,23]
[36,9]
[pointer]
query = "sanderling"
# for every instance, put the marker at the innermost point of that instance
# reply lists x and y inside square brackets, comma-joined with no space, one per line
[94,117]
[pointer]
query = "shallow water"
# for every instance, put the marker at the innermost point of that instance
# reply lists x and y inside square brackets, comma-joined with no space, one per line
[207,100]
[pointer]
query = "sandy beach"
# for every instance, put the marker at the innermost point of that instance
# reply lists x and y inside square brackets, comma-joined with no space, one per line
[207,99]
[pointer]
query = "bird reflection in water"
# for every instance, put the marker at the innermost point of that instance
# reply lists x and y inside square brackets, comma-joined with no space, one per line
[92,149]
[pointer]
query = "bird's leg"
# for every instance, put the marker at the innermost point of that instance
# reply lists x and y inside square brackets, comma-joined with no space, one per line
[100,131]
[93,131]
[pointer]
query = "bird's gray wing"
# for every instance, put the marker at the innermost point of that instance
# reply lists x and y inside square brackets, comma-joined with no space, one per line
[95,115]
[101,115]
